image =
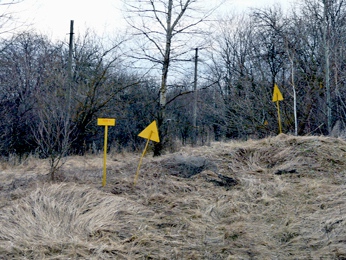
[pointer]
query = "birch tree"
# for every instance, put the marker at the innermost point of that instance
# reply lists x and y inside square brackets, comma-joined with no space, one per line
[168,30]
[330,18]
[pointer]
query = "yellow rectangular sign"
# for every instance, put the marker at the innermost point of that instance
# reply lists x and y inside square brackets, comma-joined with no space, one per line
[106,121]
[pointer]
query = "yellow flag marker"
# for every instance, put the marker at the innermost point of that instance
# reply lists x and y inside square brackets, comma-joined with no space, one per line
[105,122]
[277,96]
[150,133]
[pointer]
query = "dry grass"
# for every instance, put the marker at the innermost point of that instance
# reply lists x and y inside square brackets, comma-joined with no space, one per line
[289,204]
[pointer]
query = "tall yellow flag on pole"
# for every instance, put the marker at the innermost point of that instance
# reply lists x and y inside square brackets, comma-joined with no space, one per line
[277,96]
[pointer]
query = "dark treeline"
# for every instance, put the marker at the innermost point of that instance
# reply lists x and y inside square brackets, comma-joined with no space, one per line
[46,111]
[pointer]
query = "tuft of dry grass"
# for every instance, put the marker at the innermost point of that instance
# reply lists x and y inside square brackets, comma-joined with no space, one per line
[289,203]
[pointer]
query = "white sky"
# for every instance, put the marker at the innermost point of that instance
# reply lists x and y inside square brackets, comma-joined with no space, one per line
[52,17]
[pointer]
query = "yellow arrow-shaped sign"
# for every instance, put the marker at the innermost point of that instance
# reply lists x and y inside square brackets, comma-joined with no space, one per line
[151,133]
[277,96]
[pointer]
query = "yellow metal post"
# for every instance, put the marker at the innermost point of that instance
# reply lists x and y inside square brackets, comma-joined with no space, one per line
[105,122]
[151,133]
[277,96]
[140,162]
[279,117]
[104,177]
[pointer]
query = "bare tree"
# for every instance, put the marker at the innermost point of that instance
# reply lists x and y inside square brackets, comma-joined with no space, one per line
[50,125]
[96,83]
[247,59]
[168,28]
[326,22]
[8,22]
[24,65]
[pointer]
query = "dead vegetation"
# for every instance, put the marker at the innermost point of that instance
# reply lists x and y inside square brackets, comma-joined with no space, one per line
[288,202]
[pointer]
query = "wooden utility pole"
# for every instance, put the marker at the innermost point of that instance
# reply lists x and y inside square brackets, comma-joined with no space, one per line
[70,50]
[70,67]
[194,138]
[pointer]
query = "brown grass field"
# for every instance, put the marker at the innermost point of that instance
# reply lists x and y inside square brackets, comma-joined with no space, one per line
[289,202]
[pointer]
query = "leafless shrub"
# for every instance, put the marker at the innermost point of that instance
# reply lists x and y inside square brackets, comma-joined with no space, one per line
[53,132]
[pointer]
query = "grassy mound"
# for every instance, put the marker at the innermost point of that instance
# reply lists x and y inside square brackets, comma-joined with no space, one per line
[288,203]
[60,221]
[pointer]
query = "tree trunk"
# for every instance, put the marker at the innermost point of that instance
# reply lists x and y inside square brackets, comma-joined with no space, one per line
[327,67]
[194,123]
[161,117]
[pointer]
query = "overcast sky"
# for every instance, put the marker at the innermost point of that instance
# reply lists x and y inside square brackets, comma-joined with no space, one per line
[52,17]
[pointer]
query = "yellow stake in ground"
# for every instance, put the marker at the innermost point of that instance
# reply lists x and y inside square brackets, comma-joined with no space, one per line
[105,122]
[150,133]
[277,96]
